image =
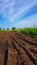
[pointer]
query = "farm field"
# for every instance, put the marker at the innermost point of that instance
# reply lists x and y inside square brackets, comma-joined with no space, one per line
[17,48]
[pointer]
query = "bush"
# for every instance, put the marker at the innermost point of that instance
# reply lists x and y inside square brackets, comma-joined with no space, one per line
[0,28]
[7,28]
[30,31]
[13,28]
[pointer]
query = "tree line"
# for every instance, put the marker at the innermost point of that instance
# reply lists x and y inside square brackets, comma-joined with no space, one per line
[13,28]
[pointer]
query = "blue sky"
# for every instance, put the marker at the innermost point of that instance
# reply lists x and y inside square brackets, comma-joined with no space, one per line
[18,13]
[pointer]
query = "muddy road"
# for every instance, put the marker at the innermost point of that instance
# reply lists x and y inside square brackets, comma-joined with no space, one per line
[17,49]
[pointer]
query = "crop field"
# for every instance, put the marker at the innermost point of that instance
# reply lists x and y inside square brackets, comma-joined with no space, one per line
[17,48]
[30,31]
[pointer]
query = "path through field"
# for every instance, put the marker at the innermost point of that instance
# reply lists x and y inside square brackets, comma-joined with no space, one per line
[17,49]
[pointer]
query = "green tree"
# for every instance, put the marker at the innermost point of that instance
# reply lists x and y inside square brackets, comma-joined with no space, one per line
[13,28]
[7,28]
[3,28]
[0,28]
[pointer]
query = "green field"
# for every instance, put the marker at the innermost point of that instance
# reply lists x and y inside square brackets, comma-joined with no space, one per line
[27,31]
[30,31]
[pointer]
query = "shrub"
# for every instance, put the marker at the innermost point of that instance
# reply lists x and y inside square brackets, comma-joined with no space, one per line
[13,28]
[0,28]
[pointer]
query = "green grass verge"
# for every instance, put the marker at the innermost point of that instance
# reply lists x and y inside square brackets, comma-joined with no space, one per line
[27,31]
[30,31]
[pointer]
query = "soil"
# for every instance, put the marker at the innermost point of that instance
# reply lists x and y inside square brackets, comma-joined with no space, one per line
[17,49]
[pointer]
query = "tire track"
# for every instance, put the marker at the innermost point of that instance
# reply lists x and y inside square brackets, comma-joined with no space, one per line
[28,53]
[23,38]
[18,50]
[29,46]
[6,53]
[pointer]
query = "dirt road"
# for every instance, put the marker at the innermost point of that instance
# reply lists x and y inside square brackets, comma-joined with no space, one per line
[17,49]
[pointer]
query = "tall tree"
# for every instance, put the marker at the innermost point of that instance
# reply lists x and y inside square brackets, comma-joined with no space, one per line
[0,28]
[13,28]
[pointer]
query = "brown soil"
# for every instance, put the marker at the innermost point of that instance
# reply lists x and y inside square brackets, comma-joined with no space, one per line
[17,49]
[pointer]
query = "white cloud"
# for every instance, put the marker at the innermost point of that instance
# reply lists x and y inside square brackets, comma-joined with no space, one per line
[10,12]
[22,10]
[29,22]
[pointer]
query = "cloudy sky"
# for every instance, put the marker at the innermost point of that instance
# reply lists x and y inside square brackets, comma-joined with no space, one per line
[18,13]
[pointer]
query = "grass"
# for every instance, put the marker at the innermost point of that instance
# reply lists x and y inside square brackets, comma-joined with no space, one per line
[30,31]
[27,31]
[5,30]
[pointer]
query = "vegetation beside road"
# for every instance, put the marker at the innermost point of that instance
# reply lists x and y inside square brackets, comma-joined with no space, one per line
[27,31]
[30,31]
